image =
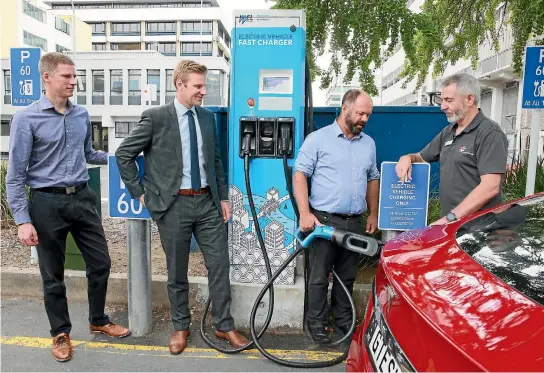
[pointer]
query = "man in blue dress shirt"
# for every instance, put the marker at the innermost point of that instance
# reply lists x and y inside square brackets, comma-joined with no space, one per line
[341,162]
[49,148]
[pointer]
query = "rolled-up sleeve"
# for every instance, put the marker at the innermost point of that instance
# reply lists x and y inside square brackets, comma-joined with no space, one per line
[373,173]
[21,139]
[307,155]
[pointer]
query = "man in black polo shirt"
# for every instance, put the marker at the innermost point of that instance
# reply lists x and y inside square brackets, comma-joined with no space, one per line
[472,152]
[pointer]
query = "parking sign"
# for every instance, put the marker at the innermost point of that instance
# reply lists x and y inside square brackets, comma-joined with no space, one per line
[25,76]
[121,204]
[533,78]
[403,206]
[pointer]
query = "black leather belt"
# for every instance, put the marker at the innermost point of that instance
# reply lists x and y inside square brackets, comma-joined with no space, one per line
[343,216]
[63,190]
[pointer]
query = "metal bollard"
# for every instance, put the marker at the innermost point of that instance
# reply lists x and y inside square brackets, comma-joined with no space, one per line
[139,276]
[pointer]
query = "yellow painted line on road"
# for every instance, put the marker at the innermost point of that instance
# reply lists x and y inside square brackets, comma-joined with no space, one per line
[205,353]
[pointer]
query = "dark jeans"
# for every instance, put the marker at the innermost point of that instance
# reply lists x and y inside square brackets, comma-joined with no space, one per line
[53,216]
[323,257]
[196,215]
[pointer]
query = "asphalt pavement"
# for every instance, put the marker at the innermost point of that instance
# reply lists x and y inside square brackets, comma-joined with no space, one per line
[25,345]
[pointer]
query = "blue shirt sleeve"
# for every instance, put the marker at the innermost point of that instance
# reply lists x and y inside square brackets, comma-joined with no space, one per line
[307,155]
[93,156]
[21,140]
[373,173]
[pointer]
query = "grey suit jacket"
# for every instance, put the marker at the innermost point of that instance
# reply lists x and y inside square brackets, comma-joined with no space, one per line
[157,135]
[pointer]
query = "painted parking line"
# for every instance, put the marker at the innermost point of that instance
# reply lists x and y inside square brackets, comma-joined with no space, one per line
[190,352]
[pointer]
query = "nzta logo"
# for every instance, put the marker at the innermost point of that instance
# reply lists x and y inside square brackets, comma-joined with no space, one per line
[245,18]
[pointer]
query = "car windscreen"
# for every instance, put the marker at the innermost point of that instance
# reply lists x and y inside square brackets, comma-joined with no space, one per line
[509,243]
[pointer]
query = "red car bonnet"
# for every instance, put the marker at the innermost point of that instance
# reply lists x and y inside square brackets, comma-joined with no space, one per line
[490,323]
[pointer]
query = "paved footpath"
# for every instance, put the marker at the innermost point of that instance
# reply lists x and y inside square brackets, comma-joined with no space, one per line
[25,345]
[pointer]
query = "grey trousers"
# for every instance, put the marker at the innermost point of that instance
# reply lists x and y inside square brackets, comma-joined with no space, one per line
[196,215]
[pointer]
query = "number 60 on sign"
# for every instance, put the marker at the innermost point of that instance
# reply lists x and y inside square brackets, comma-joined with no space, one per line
[121,204]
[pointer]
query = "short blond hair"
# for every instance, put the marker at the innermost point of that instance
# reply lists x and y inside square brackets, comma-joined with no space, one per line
[186,67]
[50,61]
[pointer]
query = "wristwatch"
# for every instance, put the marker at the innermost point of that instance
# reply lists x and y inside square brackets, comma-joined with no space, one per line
[451,217]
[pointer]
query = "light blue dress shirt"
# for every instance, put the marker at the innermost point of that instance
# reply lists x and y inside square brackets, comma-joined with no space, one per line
[48,149]
[339,168]
[183,122]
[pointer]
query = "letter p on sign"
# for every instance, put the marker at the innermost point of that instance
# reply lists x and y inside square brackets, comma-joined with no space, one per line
[26,54]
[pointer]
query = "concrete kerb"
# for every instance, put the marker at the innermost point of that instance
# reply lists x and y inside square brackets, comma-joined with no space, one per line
[288,304]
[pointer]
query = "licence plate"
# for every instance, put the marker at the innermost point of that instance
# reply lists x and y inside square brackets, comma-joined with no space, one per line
[385,354]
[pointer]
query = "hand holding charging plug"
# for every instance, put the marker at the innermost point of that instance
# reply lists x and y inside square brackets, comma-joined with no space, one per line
[308,221]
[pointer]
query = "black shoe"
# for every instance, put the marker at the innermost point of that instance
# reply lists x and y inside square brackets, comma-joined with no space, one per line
[320,334]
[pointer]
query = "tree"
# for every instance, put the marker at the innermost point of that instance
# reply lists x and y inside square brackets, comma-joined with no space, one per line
[357,30]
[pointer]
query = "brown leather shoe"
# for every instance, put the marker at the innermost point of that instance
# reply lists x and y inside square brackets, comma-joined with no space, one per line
[178,342]
[111,330]
[236,339]
[62,348]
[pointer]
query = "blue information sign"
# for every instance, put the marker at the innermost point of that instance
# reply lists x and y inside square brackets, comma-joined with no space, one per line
[533,78]
[25,76]
[121,205]
[403,206]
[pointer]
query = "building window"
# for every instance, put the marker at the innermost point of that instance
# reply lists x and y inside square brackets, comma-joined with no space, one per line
[62,25]
[195,5]
[61,49]
[160,28]
[170,88]
[193,49]
[134,87]
[7,87]
[154,77]
[125,28]
[123,129]
[116,87]
[167,49]
[81,98]
[34,12]
[99,46]
[98,87]
[214,87]
[34,41]
[98,28]
[4,128]
[193,28]
[125,46]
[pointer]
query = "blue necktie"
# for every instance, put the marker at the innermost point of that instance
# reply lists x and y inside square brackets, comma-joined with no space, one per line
[195,166]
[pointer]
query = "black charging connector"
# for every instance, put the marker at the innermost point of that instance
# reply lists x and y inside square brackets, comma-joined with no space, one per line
[248,133]
[286,131]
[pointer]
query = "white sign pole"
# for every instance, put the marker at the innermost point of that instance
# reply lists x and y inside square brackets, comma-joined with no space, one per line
[533,153]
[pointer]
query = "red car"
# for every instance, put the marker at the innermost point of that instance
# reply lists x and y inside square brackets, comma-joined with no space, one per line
[467,296]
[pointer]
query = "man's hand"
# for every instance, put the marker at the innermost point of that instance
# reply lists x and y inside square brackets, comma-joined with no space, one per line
[141,199]
[371,224]
[404,168]
[28,235]
[307,222]
[225,206]
[441,221]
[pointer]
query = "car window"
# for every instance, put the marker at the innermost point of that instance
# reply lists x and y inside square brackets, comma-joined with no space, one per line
[509,243]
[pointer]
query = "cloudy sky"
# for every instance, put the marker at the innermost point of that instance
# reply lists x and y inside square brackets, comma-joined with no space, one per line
[229,5]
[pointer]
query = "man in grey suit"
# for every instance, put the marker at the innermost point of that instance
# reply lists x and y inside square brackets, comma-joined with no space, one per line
[185,193]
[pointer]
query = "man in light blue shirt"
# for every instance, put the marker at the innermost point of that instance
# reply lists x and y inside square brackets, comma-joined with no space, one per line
[49,150]
[341,162]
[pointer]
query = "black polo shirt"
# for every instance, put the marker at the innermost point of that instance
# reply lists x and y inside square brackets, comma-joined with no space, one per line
[480,149]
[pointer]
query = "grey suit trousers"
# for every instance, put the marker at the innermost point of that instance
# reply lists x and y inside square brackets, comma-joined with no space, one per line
[198,215]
